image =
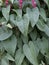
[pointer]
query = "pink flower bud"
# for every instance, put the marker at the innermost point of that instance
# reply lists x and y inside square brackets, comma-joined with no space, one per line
[6,2]
[20,3]
[34,3]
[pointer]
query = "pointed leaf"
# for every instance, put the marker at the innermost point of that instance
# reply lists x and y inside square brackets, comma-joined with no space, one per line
[33,16]
[5,33]
[19,57]
[30,53]
[5,12]
[10,45]
[43,14]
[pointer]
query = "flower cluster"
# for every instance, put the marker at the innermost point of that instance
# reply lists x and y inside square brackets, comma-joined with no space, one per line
[20,3]
[33,3]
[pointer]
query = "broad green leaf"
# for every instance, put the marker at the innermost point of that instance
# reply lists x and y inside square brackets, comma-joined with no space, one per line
[30,53]
[43,27]
[19,57]
[5,12]
[5,33]
[21,23]
[43,45]
[10,45]
[40,24]
[33,15]
[43,14]
[4,61]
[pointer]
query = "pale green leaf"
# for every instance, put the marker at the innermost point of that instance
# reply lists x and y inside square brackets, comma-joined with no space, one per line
[4,62]
[43,14]
[19,57]
[33,34]
[43,45]
[9,57]
[10,45]
[43,27]
[30,53]
[5,33]
[5,12]
[21,23]
[33,15]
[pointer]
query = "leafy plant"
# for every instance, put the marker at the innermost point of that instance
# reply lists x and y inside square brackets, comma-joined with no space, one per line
[24,32]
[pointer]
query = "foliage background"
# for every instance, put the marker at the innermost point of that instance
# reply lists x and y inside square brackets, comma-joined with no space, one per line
[24,33]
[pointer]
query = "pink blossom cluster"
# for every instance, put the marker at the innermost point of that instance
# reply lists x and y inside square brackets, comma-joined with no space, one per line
[33,3]
[21,1]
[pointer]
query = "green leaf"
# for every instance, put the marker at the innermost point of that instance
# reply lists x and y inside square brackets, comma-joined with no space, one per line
[5,12]
[5,33]
[4,61]
[47,2]
[10,45]
[43,13]
[38,3]
[33,34]
[40,24]
[19,57]
[30,53]
[21,23]
[19,42]
[43,27]
[3,20]
[9,57]
[13,19]
[33,15]
[42,45]
[24,39]
[18,12]
[12,1]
